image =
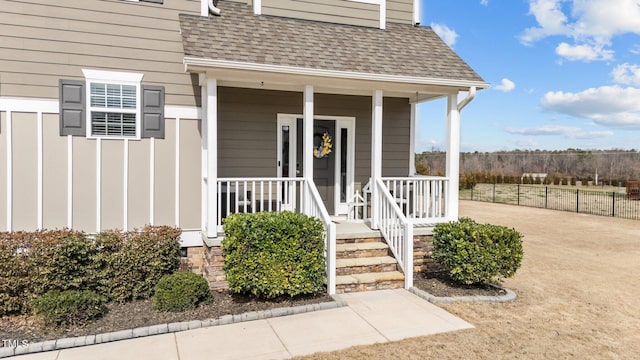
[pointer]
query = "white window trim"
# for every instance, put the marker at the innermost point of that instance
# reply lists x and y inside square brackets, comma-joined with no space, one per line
[117,78]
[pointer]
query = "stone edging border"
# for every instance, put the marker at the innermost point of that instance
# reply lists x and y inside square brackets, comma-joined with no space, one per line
[66,343]
[509,296]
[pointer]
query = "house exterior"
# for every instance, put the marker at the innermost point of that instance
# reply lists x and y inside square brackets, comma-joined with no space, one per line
[119,113]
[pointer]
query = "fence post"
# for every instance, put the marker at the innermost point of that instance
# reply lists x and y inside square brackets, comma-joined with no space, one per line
[518,194]
[472,192]
[577,200]
[494,192]
[613,208]
[546,197]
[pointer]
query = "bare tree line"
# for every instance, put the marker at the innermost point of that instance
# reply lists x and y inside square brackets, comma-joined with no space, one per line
[610,165]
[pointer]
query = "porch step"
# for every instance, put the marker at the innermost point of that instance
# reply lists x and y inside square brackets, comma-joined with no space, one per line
[369,282]
[366,265]
[358,240]
[363,249]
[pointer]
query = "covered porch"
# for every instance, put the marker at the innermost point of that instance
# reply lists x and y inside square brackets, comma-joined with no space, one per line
[266,118]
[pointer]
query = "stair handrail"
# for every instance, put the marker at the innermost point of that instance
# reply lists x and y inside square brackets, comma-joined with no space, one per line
[396,230]
[317,209]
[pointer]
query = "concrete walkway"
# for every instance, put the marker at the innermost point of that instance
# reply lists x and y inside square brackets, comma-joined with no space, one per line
[370,317]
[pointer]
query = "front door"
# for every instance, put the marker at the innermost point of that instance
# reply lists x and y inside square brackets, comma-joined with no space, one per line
[333,172]
[324,165]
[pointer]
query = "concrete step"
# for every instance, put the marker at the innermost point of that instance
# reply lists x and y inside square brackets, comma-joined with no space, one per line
[369,282]
[365,249]
[366,265]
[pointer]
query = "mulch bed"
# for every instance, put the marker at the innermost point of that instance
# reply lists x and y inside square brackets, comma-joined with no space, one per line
[438,283]
[141,313]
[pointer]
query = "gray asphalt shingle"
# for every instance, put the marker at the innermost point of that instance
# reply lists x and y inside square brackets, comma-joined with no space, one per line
[239,35]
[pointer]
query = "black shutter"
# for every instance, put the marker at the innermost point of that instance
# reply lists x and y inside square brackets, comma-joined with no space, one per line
[153,112]
[154,1]
[72,108]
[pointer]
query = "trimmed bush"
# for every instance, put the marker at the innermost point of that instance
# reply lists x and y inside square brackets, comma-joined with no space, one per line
[71,307]
[118,265]
[477,253]
[129,265]
[270,254]
[180,291]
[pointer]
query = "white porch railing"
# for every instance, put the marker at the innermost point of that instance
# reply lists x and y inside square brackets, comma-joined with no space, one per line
[316,209]
[422,199]
[397,231]
[252,195]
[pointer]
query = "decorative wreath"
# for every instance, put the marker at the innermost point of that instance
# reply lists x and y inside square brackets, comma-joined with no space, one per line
[324,149]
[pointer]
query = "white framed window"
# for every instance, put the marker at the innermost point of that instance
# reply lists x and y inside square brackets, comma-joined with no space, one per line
[113,104]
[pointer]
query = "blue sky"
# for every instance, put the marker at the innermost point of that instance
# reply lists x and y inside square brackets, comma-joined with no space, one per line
[563,74]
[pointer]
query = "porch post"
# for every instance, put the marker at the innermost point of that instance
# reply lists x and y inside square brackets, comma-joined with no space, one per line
[453,156]
[307,140]
[210,197]
[412,140]
[376,155]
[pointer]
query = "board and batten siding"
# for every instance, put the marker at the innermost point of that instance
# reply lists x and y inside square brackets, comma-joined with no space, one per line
[247,130]
[112,185]
[44,41]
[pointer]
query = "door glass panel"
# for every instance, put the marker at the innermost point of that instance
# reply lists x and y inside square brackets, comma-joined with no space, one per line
[285,151]
[343,165]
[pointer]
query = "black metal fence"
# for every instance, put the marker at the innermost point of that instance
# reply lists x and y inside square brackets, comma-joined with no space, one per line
[594,202]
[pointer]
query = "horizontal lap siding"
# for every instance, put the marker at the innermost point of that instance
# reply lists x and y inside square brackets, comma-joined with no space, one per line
[42,43]
[400,11]
[335,11]
[247,126]
[247,130]
[396,131]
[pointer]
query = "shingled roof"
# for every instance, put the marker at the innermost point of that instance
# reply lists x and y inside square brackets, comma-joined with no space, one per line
[402,50]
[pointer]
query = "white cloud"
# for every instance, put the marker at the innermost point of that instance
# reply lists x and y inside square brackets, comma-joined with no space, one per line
[626,74]
[506,85]
[611,106]
[559,130]
[586,53]
[449,36]
[484,2]
[591,25]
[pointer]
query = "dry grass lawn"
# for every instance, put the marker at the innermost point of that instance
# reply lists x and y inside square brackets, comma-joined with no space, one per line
[578,295]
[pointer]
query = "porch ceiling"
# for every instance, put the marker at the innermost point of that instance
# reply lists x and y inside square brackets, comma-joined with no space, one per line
[241,49]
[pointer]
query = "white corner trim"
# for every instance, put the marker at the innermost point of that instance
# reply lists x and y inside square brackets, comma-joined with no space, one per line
[9,225]
[125,186]
[416,12]
[257,7]
[112,76]
[383,9]
[70,181]
[293,70]
[40,171]
[177,175]
[204,8]
[152,180]
[98,185]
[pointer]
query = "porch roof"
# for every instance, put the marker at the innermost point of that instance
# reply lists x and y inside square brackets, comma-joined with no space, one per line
[238,39]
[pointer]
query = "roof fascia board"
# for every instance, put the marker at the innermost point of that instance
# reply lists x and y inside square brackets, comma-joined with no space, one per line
[192,62]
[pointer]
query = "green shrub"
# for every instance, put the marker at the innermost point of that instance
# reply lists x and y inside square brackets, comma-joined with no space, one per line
[59,260]
[180,291]
[269,254]
[71,307]
[477,253]
[129,265]
[13,272]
